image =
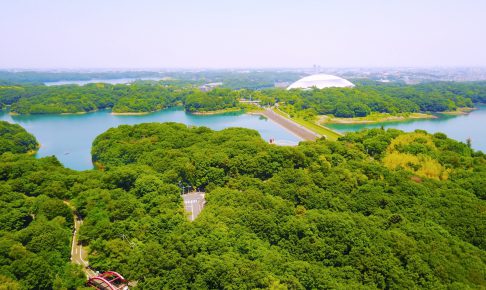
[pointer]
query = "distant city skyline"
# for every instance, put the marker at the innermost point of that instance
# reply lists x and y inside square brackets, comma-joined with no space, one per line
[217,34]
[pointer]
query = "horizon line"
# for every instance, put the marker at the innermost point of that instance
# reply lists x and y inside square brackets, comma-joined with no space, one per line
[160,69]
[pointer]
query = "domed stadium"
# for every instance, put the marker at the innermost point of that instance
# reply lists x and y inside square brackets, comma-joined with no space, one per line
[321,81]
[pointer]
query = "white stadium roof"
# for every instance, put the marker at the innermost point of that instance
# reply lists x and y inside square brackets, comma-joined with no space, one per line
[321,81]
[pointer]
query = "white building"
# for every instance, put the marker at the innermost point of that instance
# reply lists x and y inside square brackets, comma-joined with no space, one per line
[321,81]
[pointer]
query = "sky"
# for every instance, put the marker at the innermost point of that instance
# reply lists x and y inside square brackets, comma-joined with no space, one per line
[82,34]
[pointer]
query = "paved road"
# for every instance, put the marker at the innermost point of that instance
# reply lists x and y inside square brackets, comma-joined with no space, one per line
[290,125]
[194,203]
[78,254]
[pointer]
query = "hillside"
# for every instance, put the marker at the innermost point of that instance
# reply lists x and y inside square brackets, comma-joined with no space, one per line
[319,215]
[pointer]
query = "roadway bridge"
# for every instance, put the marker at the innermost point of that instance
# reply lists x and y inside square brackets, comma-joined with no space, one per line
[193,203]
[105,281]
[108,281]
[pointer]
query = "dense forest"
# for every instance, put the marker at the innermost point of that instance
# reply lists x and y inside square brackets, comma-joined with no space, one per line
[75,99]
[40,77]
[153,96]
[233,79]
[138,97]
[374,97]
[376,209]
[216,99]
[15,139]
[35,223]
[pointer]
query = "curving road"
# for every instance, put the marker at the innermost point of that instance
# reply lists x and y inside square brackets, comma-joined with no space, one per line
[78,254]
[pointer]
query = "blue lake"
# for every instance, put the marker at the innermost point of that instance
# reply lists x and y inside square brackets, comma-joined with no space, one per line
[69,137]
[462,127]
[106,81]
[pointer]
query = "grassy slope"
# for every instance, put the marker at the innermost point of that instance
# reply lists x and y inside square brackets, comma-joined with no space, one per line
[332,135]
[375,118]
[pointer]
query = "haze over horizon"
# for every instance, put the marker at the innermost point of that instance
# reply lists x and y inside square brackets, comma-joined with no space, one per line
[245,34]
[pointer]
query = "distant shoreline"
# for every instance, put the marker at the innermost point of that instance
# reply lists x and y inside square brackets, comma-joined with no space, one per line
[216,112]
[365,120]
[458,112]
[77,113]
[69,113]
[130,113]
[323,119]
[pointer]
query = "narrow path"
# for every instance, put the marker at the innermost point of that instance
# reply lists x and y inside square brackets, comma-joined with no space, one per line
[78,254]
[194,203]
[297,129]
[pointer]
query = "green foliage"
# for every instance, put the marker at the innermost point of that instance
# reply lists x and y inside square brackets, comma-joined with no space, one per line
[35,223]
[321,215]
[230,78]
[214,156]
[14,138]
[216,99]
[77,99]
[35,236]
[362,100]
[142,96]
[135,98]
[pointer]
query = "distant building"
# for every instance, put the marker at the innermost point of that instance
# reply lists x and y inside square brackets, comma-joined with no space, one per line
[209,86]
[250,102]
[321,81]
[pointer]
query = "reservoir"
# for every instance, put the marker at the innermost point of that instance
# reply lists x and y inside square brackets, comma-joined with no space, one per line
[69,137]
[461,127]
[106,81]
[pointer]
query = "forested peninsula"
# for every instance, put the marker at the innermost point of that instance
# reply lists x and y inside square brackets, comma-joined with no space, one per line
[377,209]
[362,101]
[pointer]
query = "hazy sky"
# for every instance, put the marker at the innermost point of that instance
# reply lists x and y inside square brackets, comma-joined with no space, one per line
[237,33]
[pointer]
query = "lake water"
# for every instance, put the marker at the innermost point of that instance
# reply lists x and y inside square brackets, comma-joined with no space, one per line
[69,137]
[459,127]
[107,81]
